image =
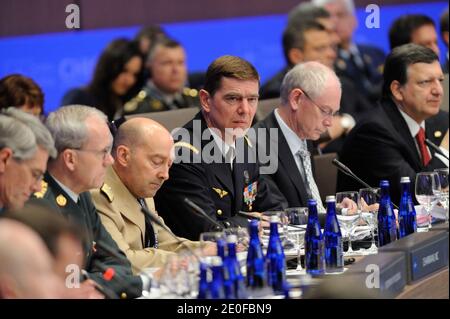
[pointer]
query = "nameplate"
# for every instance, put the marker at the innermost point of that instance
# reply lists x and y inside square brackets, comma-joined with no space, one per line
[425,253]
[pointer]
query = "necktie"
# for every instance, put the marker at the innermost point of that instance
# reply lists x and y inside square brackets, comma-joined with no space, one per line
[420,137]
[311,184]
[150,239]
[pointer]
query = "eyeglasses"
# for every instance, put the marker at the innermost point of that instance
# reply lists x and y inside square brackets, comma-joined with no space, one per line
[325,113]
[104,153]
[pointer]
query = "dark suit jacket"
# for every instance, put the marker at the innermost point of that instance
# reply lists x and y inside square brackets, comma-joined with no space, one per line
[381,147]
[373,60]
[212,186]
[287,177]
[97,259]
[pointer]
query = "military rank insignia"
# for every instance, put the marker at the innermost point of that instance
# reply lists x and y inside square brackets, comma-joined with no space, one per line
[250,192]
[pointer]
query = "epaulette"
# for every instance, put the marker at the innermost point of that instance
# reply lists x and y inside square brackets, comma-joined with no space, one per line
[190,92]
[132,104]
[44,187]
[187,145]
[108,192]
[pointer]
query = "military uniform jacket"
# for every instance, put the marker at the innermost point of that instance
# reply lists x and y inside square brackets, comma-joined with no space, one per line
[213,186]
[150,99]
[122,217]
[381,147]
[97,260]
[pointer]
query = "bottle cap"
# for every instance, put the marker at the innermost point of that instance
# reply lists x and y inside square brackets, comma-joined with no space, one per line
[405,179]
[274,219]
[216,261]
[231,238]
[384,183]
[330,198]
[312,202]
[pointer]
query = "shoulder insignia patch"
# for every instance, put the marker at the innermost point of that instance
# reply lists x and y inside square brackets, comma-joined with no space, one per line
[132,104]
[190,92]
[222,193]
[44,187]
[187,145]
[108,192]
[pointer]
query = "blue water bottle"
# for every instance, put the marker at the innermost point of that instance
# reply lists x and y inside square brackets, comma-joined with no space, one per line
[203,285]
[407,212]
[314,243]
[276,272]
[334,249]
[227,281]
[216,286]
[232,265]
[387,227]
[256,267]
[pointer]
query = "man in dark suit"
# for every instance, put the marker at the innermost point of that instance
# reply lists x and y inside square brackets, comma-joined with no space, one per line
[84,142]
[389,143]
[362,64]
[310,95]
[215,164]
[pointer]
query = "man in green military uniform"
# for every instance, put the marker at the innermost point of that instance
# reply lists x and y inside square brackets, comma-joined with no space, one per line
[165,90]
[84,142]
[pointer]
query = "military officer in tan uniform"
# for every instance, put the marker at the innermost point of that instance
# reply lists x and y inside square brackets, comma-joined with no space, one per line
[165,90]
[143,153]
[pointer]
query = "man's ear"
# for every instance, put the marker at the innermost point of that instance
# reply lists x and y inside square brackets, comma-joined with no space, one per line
[5,156]
[295,56]
[70,158]
[205,100]
[396,90]
[294,99]
[122,155]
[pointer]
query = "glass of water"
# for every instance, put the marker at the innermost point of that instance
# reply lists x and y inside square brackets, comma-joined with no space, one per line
[427,191]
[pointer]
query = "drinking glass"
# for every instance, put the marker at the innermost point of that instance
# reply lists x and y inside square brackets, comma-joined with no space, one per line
[347,205]
[427,191]
[368,205]
[443,180]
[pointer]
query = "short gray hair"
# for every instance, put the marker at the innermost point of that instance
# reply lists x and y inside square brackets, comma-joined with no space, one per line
[68,125]
[312,77]
[349,4]
[16,127]
[18,137]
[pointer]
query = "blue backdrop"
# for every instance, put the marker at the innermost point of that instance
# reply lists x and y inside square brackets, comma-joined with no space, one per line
[60,61]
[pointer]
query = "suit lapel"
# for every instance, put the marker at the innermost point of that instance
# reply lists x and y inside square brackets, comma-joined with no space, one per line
[400,129]
[286,159]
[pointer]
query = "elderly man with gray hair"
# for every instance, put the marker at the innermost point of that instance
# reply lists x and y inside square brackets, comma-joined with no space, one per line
[25,145]
[84,142]
[310,96]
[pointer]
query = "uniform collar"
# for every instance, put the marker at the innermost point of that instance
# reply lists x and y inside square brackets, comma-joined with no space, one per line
[74,196]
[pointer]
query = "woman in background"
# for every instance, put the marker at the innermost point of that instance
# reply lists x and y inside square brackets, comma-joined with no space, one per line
[116,73]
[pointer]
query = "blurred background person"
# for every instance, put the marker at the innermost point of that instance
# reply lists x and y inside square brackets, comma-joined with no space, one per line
[166,88]
[444,35]
[26,267]
[25,146]
[362,63]
[414,28]
[64,242]
[22,92]
[148,36]
[117,71]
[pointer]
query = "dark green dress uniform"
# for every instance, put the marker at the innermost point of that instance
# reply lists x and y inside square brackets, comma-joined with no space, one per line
[219,190]
[150,99]
[97,260]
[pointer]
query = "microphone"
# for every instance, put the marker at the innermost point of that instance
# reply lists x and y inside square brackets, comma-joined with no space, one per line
[202,213]
[157,221]
[347,171]
[436,148]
